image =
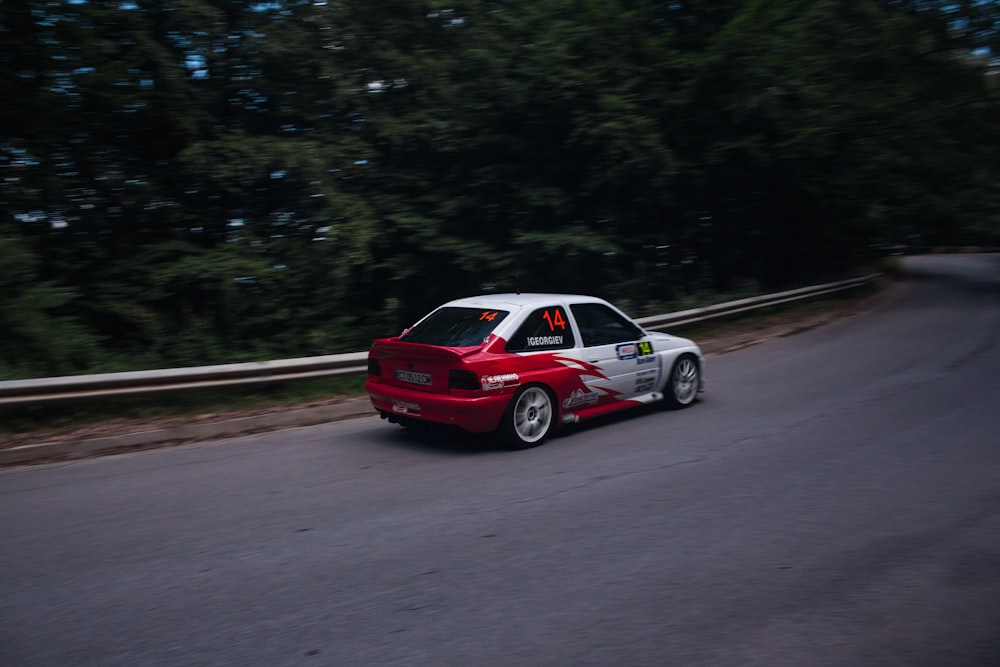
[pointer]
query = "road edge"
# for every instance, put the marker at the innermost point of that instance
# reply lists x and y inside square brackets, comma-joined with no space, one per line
[45,452]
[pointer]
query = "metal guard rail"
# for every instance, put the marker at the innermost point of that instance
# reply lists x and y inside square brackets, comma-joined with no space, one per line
[41,390]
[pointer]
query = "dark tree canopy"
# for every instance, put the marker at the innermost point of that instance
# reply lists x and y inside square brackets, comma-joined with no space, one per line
[208,181]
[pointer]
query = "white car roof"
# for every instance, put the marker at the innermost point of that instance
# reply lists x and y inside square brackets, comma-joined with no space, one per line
[520,300]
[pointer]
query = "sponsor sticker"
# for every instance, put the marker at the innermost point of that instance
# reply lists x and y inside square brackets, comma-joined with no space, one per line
[581,397]
[645,384]
[627,351]
[405,407]
[646,355]
[492,382]
[646,380]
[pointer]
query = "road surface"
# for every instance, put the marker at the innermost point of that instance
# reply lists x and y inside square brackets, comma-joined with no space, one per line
[833,500]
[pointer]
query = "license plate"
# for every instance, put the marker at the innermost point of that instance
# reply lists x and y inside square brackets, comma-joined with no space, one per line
[413,378]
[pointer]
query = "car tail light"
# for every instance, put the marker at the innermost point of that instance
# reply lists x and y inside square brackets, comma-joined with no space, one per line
[466,380]
[374,367]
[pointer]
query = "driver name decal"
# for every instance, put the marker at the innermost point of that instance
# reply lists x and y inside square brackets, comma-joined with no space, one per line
[536,341]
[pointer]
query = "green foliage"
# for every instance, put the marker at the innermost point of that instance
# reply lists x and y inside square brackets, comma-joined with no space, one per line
[39,334]
[212,181]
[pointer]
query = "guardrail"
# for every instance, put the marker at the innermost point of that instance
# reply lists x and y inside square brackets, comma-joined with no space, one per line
[657,322]
[41,390]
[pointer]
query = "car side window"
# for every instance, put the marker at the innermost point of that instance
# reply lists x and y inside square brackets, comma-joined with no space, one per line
[544,329]
[600,325]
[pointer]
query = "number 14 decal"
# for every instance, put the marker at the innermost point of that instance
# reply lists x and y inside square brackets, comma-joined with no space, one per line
[555,320]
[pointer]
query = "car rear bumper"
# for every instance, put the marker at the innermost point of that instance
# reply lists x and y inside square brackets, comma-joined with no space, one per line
[474,414]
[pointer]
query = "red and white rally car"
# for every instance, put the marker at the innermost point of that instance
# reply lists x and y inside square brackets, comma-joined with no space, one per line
[523,363]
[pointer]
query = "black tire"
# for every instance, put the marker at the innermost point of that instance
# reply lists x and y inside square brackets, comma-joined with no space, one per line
[681,389]
[529,418]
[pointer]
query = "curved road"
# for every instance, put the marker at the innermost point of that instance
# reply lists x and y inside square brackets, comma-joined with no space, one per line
[834,500]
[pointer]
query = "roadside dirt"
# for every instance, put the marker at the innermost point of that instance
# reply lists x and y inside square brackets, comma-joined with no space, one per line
[113,427]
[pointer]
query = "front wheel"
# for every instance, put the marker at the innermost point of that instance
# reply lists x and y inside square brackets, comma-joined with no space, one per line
[684,382]
[528,418]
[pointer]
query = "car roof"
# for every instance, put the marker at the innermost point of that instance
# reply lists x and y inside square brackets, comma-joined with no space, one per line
[520,300]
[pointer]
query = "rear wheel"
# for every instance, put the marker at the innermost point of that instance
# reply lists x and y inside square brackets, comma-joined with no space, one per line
[528,418]
[684,382]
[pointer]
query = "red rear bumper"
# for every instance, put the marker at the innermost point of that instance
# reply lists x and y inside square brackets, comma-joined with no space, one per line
[474,414]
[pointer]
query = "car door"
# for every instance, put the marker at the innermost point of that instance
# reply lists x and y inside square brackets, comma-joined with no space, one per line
[619,347]
[547,334]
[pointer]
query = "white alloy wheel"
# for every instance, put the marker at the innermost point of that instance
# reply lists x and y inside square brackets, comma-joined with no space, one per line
[685,380]
[528,418]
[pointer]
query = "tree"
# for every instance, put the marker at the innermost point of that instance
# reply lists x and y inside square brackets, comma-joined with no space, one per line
[217,180]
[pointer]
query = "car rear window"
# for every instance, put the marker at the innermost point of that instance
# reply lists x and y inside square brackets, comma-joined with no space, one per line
[455,327]
[544,329]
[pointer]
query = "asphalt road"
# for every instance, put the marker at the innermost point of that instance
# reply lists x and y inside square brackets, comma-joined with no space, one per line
[833,500]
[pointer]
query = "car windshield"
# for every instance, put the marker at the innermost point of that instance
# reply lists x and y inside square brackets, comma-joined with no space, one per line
[455,327]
